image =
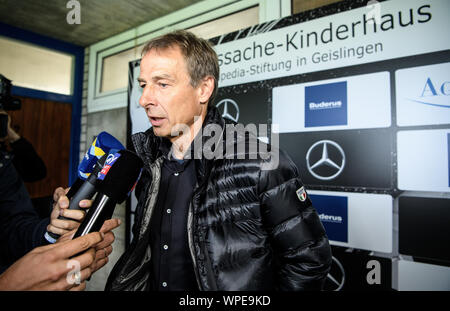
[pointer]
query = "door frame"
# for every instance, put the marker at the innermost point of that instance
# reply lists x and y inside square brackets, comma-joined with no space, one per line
[77,52]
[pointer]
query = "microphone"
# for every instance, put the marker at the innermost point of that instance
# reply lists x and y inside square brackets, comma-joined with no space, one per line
[101,145]
[92,163]
[85,192]
[87,188]
[119,176]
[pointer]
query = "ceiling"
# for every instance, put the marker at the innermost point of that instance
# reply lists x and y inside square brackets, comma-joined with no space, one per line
[100,19]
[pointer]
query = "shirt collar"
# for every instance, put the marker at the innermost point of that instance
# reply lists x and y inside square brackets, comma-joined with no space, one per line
[165,148]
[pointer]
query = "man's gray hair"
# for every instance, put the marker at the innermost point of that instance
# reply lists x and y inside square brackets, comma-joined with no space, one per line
[201,59]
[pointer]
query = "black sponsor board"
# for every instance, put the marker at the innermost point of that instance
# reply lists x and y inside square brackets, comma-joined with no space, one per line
[424,231]
[357,270]
[352,158]
[252,104]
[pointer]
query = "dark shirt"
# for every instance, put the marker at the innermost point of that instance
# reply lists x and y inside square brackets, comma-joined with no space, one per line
[172,267]
[27,162]
[31,168]
[21,229]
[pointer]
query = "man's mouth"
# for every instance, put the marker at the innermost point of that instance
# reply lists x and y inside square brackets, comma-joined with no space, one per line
[156,121]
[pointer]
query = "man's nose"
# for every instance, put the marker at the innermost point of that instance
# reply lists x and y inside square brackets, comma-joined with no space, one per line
[147,98]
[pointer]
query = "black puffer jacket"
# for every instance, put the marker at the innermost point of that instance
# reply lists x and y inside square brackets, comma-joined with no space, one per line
[247,227]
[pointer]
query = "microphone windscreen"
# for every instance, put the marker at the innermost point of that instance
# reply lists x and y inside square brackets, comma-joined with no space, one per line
[101,145]
[120,174]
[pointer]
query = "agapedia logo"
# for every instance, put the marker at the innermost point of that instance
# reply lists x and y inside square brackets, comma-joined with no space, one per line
[434,93]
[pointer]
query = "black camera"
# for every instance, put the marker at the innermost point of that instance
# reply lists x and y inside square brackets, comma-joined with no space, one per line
[7,102]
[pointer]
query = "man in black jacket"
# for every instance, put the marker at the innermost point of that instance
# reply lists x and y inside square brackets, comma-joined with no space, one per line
[212,216]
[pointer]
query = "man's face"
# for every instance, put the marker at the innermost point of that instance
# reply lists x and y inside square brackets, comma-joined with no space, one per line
[168,96]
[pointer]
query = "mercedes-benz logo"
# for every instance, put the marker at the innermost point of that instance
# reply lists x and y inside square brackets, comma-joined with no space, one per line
[335,166]
[336,277]
[230,109]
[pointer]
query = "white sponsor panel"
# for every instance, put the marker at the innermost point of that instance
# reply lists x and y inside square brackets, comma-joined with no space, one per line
[369,220]
[423,95]
[368,104]
[416,276]
[422,158]
[344,39]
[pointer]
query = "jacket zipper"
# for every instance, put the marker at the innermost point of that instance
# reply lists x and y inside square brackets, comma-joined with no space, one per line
[148,210]
[191,247]
[155,168]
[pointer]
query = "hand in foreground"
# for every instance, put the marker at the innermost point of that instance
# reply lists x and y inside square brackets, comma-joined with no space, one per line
[60,208]
[104,248]
[51,267]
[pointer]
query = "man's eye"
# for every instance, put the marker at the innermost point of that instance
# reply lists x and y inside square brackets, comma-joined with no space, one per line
[142,85]
[163,85]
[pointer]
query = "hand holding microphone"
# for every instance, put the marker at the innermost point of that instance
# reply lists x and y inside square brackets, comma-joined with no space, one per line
[119,176]
[66,214]
[62,218]
[93,161]
[49,267]
[102,249]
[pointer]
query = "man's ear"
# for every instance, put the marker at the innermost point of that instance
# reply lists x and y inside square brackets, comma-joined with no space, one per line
[205,89]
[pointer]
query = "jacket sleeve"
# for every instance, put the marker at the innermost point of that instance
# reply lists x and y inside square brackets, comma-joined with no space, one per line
[21,229]
[298,238]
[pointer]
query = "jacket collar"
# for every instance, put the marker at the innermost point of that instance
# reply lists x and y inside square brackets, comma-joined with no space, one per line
[147,144]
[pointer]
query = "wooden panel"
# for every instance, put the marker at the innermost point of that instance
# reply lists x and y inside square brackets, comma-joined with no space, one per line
[46,125]
[306,5]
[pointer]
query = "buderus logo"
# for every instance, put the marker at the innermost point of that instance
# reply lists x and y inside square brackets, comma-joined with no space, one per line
[331,218]
[333,212]
[326,104]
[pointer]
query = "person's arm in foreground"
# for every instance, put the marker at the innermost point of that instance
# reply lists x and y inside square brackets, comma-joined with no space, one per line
[67,227]
[49,267]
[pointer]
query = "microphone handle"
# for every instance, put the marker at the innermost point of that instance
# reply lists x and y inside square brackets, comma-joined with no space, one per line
[102,209]
[86,192]
[92,178]
[74,188]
